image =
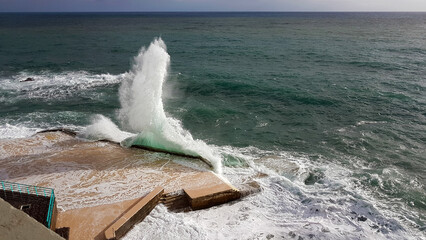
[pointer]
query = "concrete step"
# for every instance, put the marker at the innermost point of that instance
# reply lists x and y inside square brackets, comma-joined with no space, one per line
[211,195]
[134,215]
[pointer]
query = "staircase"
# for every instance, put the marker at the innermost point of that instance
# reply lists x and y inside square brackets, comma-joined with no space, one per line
[176,201]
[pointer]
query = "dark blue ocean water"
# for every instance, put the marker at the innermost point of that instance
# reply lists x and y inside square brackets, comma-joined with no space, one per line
[337,88]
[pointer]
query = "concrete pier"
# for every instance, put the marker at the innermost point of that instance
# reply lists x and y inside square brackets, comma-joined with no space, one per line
[101,188]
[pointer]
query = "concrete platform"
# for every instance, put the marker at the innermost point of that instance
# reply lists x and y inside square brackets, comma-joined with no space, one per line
[95,222]
[90,223]
[86,174]
[211,195]
[97,182]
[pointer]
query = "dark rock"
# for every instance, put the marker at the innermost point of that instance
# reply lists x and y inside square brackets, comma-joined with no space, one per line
[28,80]
[362,219]
[64,130]
[375,226]
[269,236]
[315,176]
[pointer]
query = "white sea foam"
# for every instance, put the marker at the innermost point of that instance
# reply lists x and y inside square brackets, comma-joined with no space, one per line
[51,85]
[16,131]
[360,123]
[335,207]
[28,124]
[286,208]
[82,79]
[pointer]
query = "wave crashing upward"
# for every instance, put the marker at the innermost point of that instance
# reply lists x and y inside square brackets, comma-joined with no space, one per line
[142,110]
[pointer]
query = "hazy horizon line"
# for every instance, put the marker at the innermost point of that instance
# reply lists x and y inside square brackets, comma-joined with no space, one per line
[379,11]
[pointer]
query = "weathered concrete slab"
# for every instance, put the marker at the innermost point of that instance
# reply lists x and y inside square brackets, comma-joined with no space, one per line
[96,182]
[212,194]
[86,174]
[90,223]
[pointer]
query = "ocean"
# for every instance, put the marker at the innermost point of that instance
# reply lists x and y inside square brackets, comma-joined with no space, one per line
[331,107]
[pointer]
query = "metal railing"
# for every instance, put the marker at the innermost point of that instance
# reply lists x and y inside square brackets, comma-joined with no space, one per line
[33,190]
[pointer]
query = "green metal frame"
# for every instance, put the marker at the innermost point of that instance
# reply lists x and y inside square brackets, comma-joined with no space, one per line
[34,190]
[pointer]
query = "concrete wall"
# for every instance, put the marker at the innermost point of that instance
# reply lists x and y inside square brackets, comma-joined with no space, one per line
[17,225]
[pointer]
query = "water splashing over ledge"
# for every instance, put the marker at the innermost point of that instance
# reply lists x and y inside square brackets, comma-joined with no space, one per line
[142,113]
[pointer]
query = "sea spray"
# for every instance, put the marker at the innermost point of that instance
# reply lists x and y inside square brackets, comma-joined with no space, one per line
[142,111]
[142,108]
[141,94]
[103,128]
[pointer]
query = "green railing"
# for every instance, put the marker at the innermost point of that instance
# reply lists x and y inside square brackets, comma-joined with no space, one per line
[33,190]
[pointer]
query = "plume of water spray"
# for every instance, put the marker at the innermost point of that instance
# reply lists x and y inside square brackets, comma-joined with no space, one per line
[103,128]
[142,109]
[141,93]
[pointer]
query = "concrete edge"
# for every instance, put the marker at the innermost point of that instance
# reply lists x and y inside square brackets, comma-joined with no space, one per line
[134,215]
[211,199]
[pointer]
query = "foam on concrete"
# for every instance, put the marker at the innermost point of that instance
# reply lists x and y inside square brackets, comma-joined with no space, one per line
[97,182]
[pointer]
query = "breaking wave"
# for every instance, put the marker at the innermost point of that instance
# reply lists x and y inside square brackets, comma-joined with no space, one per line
[142,112]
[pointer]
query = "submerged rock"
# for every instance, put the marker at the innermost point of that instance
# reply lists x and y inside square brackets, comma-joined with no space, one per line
[314,176]
[29,79]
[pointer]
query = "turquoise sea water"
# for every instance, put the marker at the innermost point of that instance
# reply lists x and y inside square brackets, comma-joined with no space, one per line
[337,90]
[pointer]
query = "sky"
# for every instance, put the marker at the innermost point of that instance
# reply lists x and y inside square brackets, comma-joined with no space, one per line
[208,5]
